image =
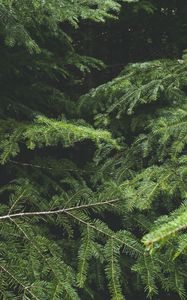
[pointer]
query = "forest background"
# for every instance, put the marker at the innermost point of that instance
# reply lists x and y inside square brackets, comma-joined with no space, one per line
[93,156]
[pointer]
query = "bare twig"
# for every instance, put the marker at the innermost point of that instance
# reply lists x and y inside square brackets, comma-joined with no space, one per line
[29,165]
[58,211]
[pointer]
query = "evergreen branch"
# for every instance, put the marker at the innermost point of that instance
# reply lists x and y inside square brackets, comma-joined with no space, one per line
[104,232]
[112,268]
[113,272]
[50,132]
[55,291]
[58,211]
[166,230]
[46,260]
[151,287]
[84,255]
[17,200]
[34,244]
[18,281]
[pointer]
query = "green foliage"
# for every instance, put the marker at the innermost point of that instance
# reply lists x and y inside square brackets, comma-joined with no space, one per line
[112,270]
[47,132]
[149,174]
[168,229]
[93,195]
[17,17]
[138,84]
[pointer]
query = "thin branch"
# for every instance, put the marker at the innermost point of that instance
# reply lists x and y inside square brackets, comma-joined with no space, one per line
[35,246]
[16,280]
[29,165]
[102,231]
[24,164]
[58,211]
[17,200]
